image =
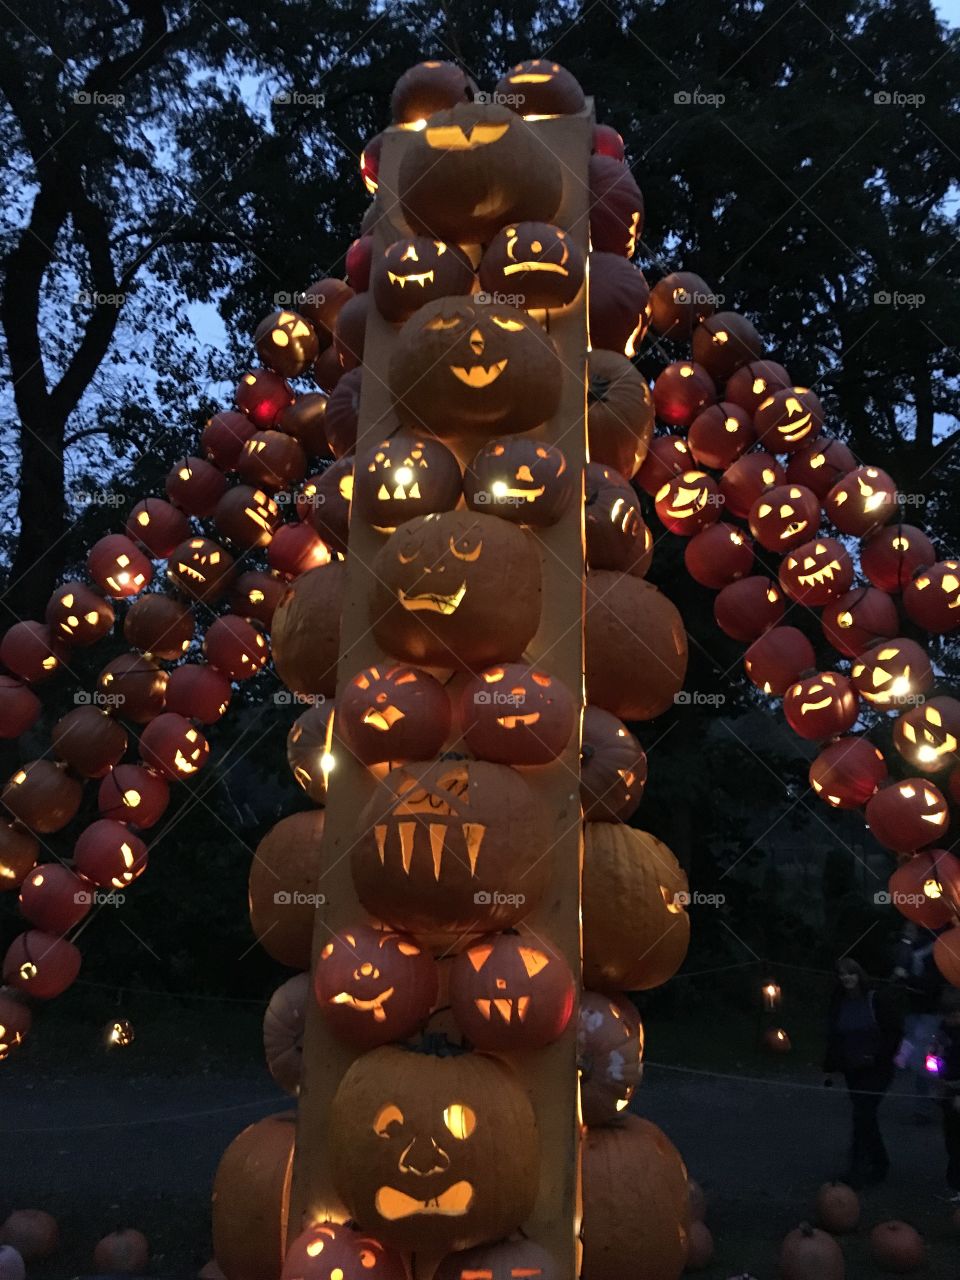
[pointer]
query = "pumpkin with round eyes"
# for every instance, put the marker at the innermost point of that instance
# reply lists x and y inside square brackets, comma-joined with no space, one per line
[892,672]
[89,740]
[133,795]
[158,525]
[306,421]
[287,343]
[616,207]
[456,589]
[427,88]
[396,713]
[609,1056]
[305,635]
[778,659]
[247,517]
[434,1153]
[461,367]
[521,480]
[820,465]
[373,985]
[613,768]
[859,619]
[515,714]
[720,434]
[666,458]
[908,815]
[473,169]
[42,795]
[540,87]
[159,626]
[688,503]
[752,383]
[725,341]
[745,609]
[789,419]
[679,302]
[619,303]
[326,500]
[263,395]
[200,569]
[820,706]
[412,272]
[537,261]
[847,773]
[784,516]
[928,735]
[681,392]
[745,480]
[310,749]
[508,1260]
[817,572]
[77,615]
[330,1250]
[617,536]
[891,556]
[718,555]
[862,501]
[405,476]
[619,412]
[440,845]
[118,566]
[510,992]
[932,598]
[135,685]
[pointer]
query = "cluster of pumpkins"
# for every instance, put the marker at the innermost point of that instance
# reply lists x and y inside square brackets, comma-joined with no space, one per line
[32,1235]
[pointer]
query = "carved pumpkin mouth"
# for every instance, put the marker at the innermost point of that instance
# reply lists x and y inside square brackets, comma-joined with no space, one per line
[815,706]
[537,265]
[479,375]
[795,430]
[504,1008]
[687,502]
[421,278]
[374,1006]
[818,576]
[393,1205]
[793,528]
[473,833]
[531,77]
[190,572]
[518,721]
[450,137]
[432,601]
[383,720]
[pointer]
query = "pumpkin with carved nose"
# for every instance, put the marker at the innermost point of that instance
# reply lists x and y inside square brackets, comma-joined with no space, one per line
[394,712]
[520,479]
[287,343]
[404,476]
[928,735]
[515,714]
[539,264]
[789,420]
[433,1153]
[410,273]
[77,615]
[892,672]
[861,502]
[932,599]
[784,517]
[511,992]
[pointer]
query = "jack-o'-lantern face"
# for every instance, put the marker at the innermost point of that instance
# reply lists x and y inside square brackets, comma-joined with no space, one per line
[784,517]
[403,477]
[820,706]
[540,88]
[892,673]
[462,366]
[394,713]
[908,815]
[536,261]
[512,1002]
[928,735]
[247,517]
[510,992]
[688,502]
[861,501]
[200,568]
[330,1251]
[287,343]
[932,599]
[520,480]
[817,572]
[78,616]
[415,271]
[617,536]
[507,1260]
[517,715]
[789,419]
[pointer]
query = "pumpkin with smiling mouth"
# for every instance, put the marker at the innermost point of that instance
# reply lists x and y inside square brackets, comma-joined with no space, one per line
[460,368]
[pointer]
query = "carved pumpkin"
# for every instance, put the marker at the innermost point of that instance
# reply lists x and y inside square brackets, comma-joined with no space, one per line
[262,395]
[283,1026]
[861,501]
[746,480]
[807,1252]
[619,304]
[720,434]
[19,707]
[43,796]
[521,480]
[256,595]
[310,749]
[41,964]
[634,1203]
[135,685]
[820,465]
[540,87]
[848,772]
[511,992]
[838,1208]
[539,264]
[405,476]
[329,1249]
[459,366]
[224,435]
[892,672]
[745,609]
[515,714]
[508,1260]
[688,503]
[251,1196]
[350,331]
[109,854]
[450,847]
[54,898]
[613,767]
[456,589]
[678,302]
[635,646]
[784,516]
[195,486]
[283,887]
[78,616]
[15,1024]
[272,460]
[473,169]
[306,421]
[201,569]
[287,343]
[343,412]
[719,554]
[427,88]
[891,556]
[89,740]
[896,1246]
[616,207]
[816,572]
[666,458]
[635,926]
[932,599]
[118,566]
[394,713]
[295,549]
[305,636]
[609,1056]
[859,620]
[619,412]
[434,1153]
[325,502]
[789,420]
[236,647]
[173,747]
[374,986]
[412,272]
[922,888]
[725,341]
[159,626]
[199,692]
[755,382]
[18,855]
[777,659]
[820,706]
[617,536]
[928,735]
[247,517]
[131,793]
[908,815]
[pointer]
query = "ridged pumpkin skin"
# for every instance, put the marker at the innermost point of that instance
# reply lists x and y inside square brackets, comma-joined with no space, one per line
[459,1132]
[635,646]
[283,1027]
[635,932]
[251,1193]
[305,634]
[634,1204]
[287,861]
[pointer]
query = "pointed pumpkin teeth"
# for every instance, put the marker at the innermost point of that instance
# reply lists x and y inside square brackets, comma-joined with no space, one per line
[484,1007]
[380,835]
[504,1008]
[438,834]
[523,1004]
[408,831]
[473,838]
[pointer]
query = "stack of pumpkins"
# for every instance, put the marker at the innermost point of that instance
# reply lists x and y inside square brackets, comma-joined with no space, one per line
[432,1140]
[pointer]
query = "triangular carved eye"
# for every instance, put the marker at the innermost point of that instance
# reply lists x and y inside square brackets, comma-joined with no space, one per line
[533,960]
[478,956]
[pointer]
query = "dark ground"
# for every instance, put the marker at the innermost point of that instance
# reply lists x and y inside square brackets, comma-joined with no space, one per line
[105,1139]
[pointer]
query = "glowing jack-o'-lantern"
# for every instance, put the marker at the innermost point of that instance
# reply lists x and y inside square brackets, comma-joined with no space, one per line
[746,480]
[328,1249]
[784,516]
[609,1056]
[54,898]
[928,735]
[412,272]
[171,745]
[859,619]
[31,651]
[441,844]
[434,1153]
[247,517]
[195,486]
[520,480]
[617,536]
[78,616]
[109,854]
[200,569]
[725,341]
[135,685]
[745,609]
[462,366]
[159,625]
[374,986]
[616,207]
[816,572]
[394,713]
[718,555]
[861,501]
[847,773]
[720,434]
[442,582]
[325,502]
[118,566]
[509,991]
[923,887]
[263,395]
[908,815]
[236,647]
[427,88]
[607,142]
[619,412]
[474,168]
[515,714]
[778,658]
[619,304]
[287,343]
[892,672]
[755,382]
[311,753]
[540,263]
[402,477]
[678,302]
[18,855]
[256,595]
[508,1260]
[15,1023]
[370,163]
[932,599]
[613,767]
[198,691]
[789,419]
[820,706]
[667,457]
[272,460]
[891,556]
[41,965]
[688,502]
[540,87]
[89,740]
[820,465]
[134,794]
[295,549]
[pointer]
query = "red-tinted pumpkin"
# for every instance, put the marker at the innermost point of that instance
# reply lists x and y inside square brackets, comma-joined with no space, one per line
[616,207]
[725,341]
[201,569]
[688,503]
[784,516]
[820,465]
[325,502]
[118,566]
[43,796]
[778,658]
[859,620]
[272,460]
[135,686]
[199,692]
[224,435]
[173,747]
[681,392]
[908,815]
[861,501]
[30,651]
[256,595]
[821,705]
[195,486]
[848,772]
[78,616]
[510,992]
[287,343]
[753,383]
[928,735]
[15,1024]
[123,1252]
[247,517]
[810,1254]
[18,855]
[720,434]
[89,740]
[41,964]
[897,1247]
[891,556]
[747,479]
[745,609]
[893,672]
[54,898]
[838,1208]
[718,555]
[817,571]
[130,793]
[109,854]
[330,1249]
[917,891]
[789,420]
[236,647]
[679,302]
[932,599]
[19,707]
[666,458]
[619,305]
[397,713]
[262,395]
[159,625]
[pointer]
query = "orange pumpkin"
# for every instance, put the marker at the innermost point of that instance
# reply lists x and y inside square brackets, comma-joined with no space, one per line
[32,1232]
[810,1254]
[510,992]
[609,1056]
[613,767]
[838,1208]
[619,412]
[699,1247]
[283,1027]
[251,1198]
[636,646]
[897,1247]
[283,887]
[305,635]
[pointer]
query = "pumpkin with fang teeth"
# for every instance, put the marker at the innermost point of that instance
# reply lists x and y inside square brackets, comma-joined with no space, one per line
[817,572]
[412,272]
[461,367]
[541,263]
[521,480]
